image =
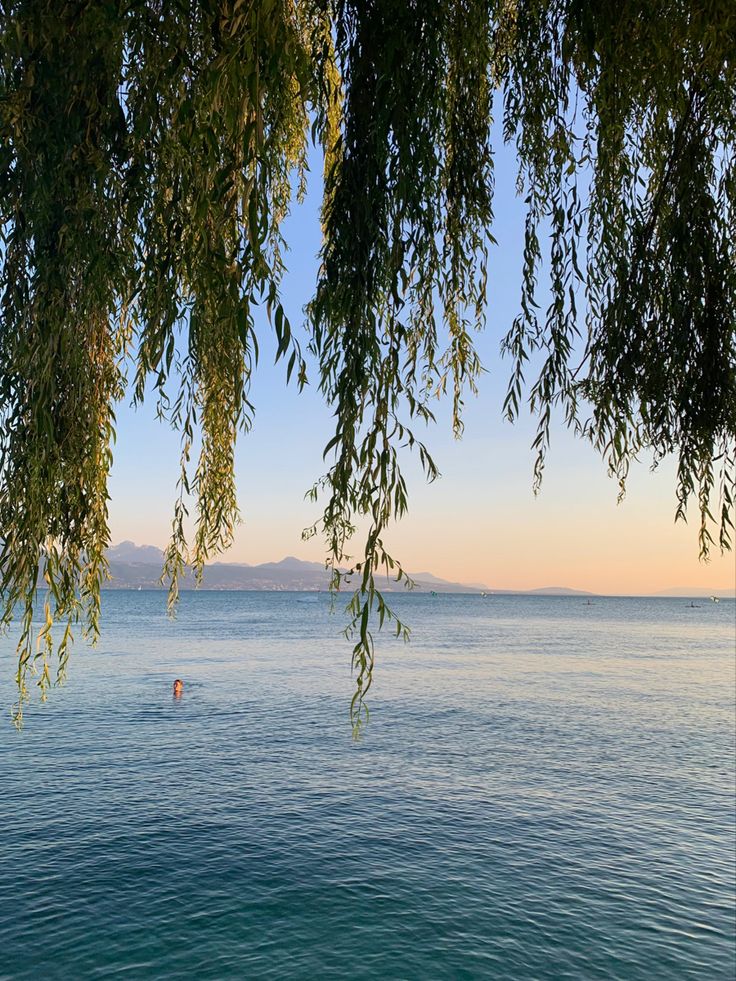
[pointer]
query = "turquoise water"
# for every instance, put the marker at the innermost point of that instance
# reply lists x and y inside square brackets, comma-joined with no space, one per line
[545,791]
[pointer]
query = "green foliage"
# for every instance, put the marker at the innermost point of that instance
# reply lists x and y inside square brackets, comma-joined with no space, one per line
[148,153]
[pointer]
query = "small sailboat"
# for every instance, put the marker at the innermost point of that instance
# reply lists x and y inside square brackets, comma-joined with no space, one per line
[715,599]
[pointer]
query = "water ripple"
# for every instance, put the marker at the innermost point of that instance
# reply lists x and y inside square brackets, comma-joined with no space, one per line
[532,801]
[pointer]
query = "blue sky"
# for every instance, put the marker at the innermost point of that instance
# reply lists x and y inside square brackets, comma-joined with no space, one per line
[480,522]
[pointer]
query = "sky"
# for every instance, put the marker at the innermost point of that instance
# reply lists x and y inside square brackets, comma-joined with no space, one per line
[480,522]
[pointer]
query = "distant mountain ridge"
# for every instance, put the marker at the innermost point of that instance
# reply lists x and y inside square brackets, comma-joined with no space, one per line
[696,592]
[139,566]
[133,566]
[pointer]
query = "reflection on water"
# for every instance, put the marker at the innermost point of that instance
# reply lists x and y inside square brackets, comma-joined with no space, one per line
[545,791]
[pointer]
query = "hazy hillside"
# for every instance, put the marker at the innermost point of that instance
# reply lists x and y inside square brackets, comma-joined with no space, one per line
[132,566]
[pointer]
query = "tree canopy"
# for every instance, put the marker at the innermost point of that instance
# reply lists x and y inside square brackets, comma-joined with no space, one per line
[149,152]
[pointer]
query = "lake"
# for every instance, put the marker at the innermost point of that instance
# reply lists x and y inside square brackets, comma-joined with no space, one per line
[545,791]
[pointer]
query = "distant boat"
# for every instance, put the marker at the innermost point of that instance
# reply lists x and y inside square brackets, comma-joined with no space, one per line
[715,599]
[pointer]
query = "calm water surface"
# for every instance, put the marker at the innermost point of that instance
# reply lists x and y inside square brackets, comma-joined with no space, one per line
[545,791]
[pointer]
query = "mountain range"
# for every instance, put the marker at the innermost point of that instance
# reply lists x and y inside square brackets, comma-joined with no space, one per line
[133,566]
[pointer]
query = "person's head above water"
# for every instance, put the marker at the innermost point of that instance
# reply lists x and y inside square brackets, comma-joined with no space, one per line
[178,686]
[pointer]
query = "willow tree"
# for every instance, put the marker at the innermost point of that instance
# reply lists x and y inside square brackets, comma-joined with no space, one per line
[149,152]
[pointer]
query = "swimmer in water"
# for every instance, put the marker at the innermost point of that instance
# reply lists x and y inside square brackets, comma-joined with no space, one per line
[178,688]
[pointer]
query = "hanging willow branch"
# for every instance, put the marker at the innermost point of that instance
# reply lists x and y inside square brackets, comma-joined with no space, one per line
[149,152]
